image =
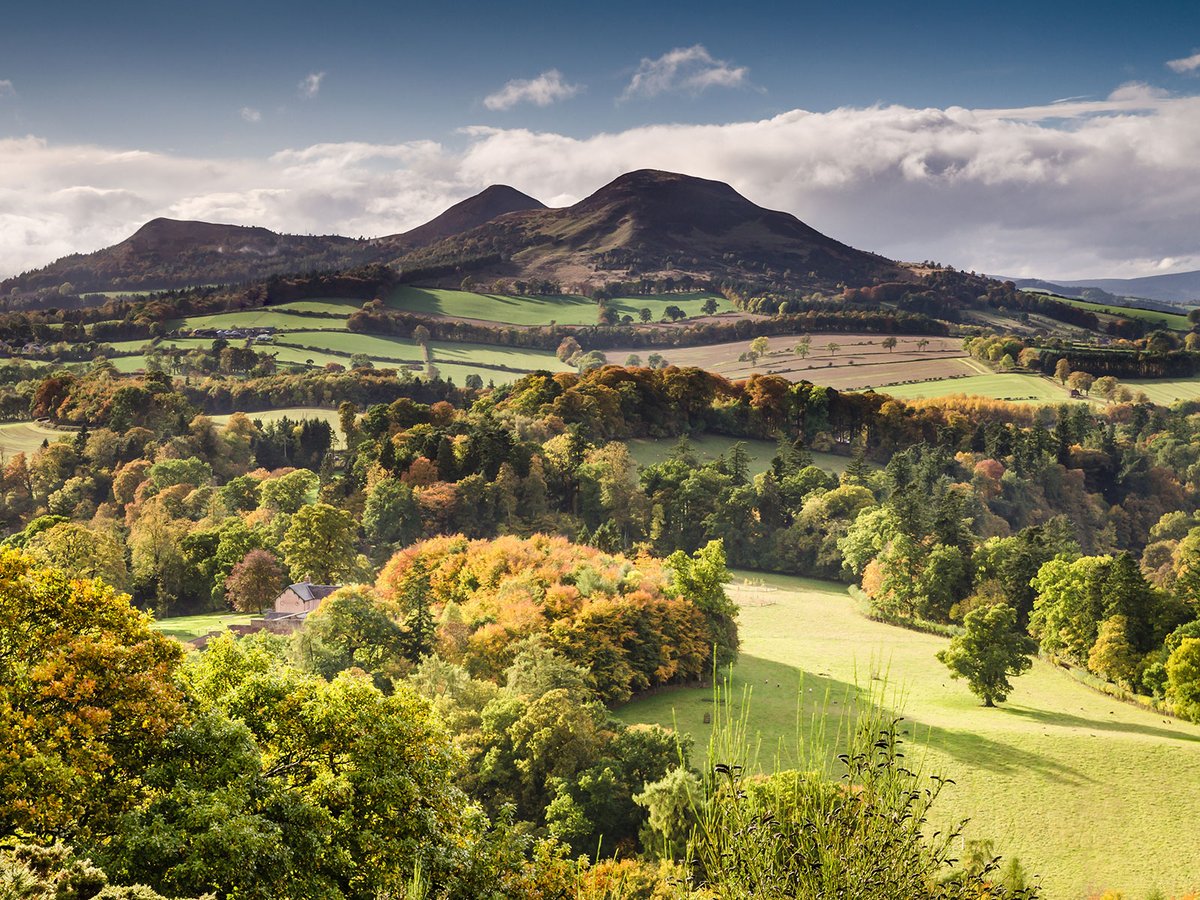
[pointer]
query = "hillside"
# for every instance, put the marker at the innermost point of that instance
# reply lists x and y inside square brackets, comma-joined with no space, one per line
[167,253]
[1177,288]
[651,224]
[490,203]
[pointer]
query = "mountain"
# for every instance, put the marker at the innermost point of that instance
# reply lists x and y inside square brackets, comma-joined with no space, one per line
[1177,288]
[490,203]
[168,253]
[650,224]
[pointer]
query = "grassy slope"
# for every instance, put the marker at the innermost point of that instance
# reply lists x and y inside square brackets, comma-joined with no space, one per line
[1166,391]
[185,628]
[26,437]
[1083,789]
[1168,320]
[565,310]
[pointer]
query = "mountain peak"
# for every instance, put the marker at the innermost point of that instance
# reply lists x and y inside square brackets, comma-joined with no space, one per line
[492,202]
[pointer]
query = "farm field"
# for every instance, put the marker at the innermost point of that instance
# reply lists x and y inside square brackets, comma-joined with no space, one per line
[295,413]
[564,309]
[285,317]
[860,360]
[1063,777]
[26,437]
[1168,320]
[1004,386]
[649,451]
[1165,391]
[186,628]
[384,348]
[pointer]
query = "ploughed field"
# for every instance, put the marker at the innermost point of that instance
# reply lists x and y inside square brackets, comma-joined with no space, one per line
[1090,793]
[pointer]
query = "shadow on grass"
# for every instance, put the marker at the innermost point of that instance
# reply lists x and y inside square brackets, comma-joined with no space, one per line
[787,702]
[1067,720]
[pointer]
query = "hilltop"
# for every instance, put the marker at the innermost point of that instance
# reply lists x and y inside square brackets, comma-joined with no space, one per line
[652,224]
[490,203]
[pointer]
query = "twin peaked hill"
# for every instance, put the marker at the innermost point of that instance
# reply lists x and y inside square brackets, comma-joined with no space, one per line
[643,224]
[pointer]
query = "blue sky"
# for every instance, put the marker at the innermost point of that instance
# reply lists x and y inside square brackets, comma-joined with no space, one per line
[356,117]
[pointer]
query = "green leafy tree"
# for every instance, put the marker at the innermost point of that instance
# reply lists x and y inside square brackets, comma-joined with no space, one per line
[1183,679]
[701,578]
[320,544]
[989,652]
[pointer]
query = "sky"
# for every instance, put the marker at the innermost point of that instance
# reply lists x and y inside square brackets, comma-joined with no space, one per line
[1056,139]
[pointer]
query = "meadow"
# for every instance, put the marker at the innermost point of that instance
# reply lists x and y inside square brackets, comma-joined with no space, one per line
[707,447]
[1166,391]
[187,628]
[26,437]
[564,309]
[1069,780]
[1167,320]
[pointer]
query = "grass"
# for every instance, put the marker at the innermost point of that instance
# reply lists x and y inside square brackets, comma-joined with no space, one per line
[26,437]
[1084,789]
[285,317]
[1010,386]
[563,309]
[187,628]
[649,451]
[1165,391]
[393,348]
[1167,320]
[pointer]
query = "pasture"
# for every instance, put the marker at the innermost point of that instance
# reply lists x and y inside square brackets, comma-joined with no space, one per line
[565,309]
[26,437]
[1002,386]
[1165,391]
[187,628]
[1173,321]
[707,447]
[1067,779]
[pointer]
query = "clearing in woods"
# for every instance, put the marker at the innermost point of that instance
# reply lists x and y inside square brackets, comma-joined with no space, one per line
[1069,780]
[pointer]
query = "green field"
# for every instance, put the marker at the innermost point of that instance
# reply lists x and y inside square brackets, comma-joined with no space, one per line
[565,310]
[285,317]
[1167,320]
[26,437]
[394,348]
[649,451]
[186,628]
[295,413]
[1010,386]
[1165,391]
[1084,789]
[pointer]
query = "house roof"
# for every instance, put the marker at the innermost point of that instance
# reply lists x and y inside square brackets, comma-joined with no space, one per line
[306,591]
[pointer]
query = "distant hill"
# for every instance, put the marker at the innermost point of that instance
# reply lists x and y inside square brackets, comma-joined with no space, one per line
[651,224]
[645,224]
[1179,288]
[485,206]
[167,253]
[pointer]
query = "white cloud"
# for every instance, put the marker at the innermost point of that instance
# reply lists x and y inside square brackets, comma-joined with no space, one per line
[547,88]
[6,88]
[310,85]
[1095,188]
[1186,64]
[688,69]
[250,114]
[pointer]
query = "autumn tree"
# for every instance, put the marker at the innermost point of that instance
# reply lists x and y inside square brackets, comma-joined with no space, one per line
[989,652]
[255,582]
[86,689]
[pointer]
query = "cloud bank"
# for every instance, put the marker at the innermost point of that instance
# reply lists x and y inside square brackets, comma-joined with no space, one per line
[547,88]
[1102,188]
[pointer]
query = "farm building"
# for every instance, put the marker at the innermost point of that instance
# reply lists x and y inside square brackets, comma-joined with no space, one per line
[300,599]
